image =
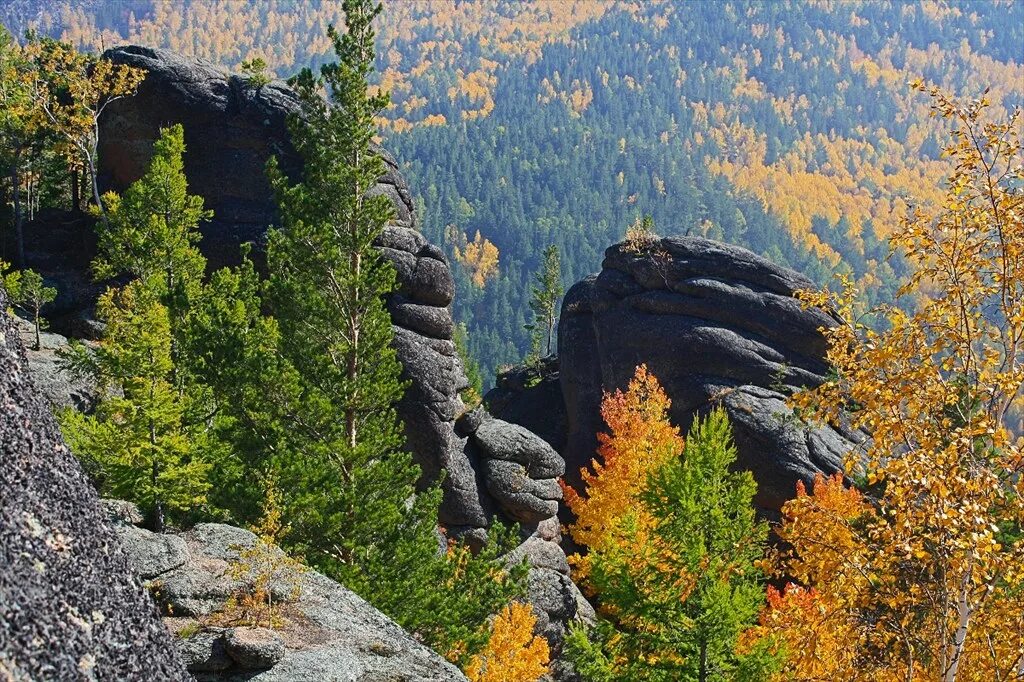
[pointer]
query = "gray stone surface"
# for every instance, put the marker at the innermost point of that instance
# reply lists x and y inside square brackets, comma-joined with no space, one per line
[254,648]
[205,650]
[70,607]
[152,554]
[60,388]
[498,439]
[328,633]
[717,325]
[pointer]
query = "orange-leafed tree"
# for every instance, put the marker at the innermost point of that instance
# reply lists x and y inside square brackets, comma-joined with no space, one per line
[925,575]
[513,651]
[639,440]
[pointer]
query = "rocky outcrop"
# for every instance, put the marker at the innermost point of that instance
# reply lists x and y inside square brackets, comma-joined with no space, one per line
[231,131]
[326,633]
[60,387]
[531,396]
[520,471]
[70,607]
[717,325]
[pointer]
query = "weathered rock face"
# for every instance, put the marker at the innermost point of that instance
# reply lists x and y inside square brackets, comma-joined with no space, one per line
[70,607]
[717,325]
[231,131]
[532,397]
[54,382]
[328,633]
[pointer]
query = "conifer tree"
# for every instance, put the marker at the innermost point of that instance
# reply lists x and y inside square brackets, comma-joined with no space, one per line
[31,295]
[350,488]
[671,556]
[151,233]
[137,444]
[544,298]
[144,441]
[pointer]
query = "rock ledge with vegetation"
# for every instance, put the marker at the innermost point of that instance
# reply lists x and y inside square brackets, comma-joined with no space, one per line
[326,633]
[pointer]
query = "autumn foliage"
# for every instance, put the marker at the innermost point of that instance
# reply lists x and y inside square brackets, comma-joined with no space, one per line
[513,652]
[672,542]
[923,576]
[639,440]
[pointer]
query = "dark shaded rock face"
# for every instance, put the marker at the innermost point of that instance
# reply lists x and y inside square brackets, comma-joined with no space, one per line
[532,397]
[717,325]
[70,607]
[231,131]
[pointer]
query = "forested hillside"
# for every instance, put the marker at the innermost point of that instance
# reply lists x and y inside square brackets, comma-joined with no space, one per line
[787,127]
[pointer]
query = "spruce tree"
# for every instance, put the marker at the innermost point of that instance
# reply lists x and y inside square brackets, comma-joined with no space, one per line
[349,486]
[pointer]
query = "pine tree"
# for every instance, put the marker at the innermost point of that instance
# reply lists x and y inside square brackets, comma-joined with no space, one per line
[544,298]
[137,444]
[151,233]
[145,441]
[31,295]
[350,487]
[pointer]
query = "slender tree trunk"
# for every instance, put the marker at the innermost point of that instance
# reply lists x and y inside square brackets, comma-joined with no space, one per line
[19,228]
[702,673]
[39,340]
[76,204]
[90,162]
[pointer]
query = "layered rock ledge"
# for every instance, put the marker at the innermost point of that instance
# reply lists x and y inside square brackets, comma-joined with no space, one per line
[718,325]
[326,633]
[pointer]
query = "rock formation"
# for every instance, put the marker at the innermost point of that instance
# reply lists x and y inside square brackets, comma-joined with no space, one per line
[231,130]
[717,325]
[70,607]
[326,633]
[531,396]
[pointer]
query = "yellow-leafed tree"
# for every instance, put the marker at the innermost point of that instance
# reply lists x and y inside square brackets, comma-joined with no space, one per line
[514,653]
[639,440]
[924,576]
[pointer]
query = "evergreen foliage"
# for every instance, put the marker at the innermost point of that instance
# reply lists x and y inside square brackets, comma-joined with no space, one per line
[545,295]
[147,442]
[138,445]
[680,584]
[26,290]
[349,485]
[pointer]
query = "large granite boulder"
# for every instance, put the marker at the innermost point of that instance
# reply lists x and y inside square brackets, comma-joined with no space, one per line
[326,633]
[70,606]
[717,325]
[231,131]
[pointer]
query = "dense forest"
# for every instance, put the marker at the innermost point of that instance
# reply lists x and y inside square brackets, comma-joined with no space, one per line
[880,143]
[786,127]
